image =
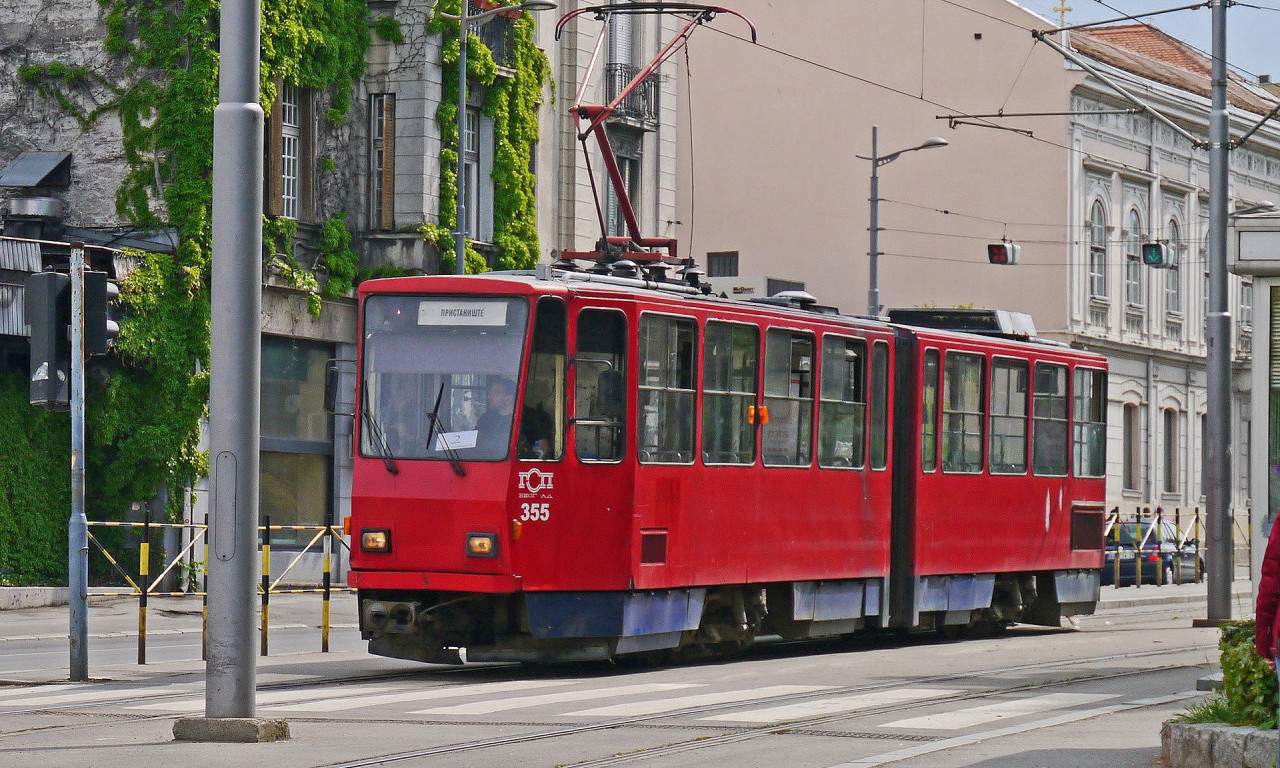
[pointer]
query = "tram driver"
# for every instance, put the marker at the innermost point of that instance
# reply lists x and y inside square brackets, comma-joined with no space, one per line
[493,428]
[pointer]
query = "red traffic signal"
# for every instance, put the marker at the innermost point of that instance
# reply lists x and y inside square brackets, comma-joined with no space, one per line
[1003,253]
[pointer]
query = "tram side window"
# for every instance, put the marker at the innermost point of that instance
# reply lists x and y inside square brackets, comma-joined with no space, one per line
[1049,420]
[929,413]
[541,433]
[788,396]
[730,381]
[962,415]
[879,405]
[665,405]
[1090,416]
[1007,454]
[842,410]
[600,392]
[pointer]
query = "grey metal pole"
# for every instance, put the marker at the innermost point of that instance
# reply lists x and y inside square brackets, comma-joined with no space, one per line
[1219,567]
[873,292]
[460,241]
[235,366]
[78,525]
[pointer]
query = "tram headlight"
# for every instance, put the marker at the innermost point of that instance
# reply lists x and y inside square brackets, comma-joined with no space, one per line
[482,545]
[375,540]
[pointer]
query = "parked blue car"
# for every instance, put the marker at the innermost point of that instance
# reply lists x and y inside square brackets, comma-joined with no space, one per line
[1166,554]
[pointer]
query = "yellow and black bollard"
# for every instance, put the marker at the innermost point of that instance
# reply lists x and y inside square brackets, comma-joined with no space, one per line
[266,580]
[144,570]
[324,609]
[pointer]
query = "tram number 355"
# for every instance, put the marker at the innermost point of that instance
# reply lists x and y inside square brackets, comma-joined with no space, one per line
[530,511]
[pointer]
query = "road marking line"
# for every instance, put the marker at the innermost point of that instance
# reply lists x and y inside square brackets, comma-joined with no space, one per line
[961,741]
[967,718]
[699,700]
[99,694]
[489,707]
[352,702]
[818,708]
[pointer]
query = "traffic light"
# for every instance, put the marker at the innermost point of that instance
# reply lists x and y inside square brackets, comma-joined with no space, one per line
[1156,255]
[99,329]
[47,305]
[1003,253]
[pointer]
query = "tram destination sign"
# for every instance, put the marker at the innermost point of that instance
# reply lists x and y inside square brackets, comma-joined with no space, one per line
[1255,245]
[462,312]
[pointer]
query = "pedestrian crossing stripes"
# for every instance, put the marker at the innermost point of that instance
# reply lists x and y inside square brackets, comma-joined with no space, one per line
[351,702]
[638,708]
[523,702]
[968,718]
[835,705]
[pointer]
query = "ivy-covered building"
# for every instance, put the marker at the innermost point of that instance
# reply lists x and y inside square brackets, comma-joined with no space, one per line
[105,136]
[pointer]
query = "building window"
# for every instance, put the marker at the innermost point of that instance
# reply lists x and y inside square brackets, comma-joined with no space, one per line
[1132,446]
[722,264]
[296,437]
[288,173]
[1170,450]
[290,151]
[1133,270]
[1173,277]
[382,162]
[471,173]
[1098,250]
[1246,304]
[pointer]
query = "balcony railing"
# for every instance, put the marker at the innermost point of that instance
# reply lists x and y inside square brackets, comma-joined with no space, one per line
[496,34]
[642,103]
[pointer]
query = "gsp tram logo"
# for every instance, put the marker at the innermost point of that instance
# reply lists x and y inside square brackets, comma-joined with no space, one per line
[536,481]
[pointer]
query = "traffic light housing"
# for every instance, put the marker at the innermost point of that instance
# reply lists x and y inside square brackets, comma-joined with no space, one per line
[47,306]
[100,330]
[1156,255]
[1003,253]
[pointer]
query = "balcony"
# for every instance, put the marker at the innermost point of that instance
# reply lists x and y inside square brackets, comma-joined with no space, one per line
[497,35]
[640,107]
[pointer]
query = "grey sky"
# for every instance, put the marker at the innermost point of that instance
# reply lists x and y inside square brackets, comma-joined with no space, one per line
[1253,34]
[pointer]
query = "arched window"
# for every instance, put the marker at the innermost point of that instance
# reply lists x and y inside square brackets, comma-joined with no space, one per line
[1133,271]
[1098,250]
[1173,284]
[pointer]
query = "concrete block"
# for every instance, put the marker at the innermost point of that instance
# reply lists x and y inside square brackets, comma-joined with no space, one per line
[1260,749]
[243,730]
[1228,745]
[1187,746]
[15,598]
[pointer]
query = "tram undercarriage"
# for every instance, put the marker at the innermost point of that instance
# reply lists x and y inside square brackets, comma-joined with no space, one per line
[557,627]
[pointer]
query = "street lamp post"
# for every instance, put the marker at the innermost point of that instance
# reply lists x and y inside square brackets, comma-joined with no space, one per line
[465,20]
[873,292]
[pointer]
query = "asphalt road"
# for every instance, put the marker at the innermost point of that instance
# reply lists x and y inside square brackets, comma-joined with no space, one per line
[1090,696]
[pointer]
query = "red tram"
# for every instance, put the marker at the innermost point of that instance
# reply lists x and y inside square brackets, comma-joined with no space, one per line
[576,465]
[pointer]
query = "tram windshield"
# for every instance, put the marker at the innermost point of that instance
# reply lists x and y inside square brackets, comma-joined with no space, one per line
[440,376]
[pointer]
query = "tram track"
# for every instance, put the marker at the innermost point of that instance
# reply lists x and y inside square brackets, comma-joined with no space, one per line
[797,727]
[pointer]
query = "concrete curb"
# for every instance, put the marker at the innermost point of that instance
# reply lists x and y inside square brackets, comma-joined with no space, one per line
[1188,745]
[16,598]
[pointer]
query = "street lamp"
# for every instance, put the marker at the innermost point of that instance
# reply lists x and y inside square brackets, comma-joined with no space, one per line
[465,20]
[873,293]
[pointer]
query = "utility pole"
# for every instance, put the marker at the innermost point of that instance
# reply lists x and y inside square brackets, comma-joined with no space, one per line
[1219,566]
[460,238]
[235,365]
[77,524]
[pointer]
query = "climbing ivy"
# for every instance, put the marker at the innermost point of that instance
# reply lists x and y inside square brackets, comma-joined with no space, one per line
[143,424]
[511,101]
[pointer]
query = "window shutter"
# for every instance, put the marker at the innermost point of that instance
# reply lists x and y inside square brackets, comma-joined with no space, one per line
[271,169]
[389,162]
[1273,365]
[306,155]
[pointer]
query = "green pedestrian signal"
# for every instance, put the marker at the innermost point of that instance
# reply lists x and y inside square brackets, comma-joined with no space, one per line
[1156,255]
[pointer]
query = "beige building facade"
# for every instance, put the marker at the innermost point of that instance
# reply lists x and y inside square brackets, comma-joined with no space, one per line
[1041,152]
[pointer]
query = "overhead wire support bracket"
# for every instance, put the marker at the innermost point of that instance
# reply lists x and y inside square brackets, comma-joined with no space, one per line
[1256,127]
[954,121]
[1079,61]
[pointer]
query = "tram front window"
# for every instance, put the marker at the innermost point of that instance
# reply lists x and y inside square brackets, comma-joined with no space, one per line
[440,376]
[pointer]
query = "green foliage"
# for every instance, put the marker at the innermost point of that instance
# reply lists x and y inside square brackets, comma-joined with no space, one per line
[512,103]
[387,28]
[337,257]
[143,424]
[1248,686]
[35,488]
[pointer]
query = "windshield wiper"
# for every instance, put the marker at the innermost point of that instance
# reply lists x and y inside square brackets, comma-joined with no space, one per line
[379,438]
[434,418]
